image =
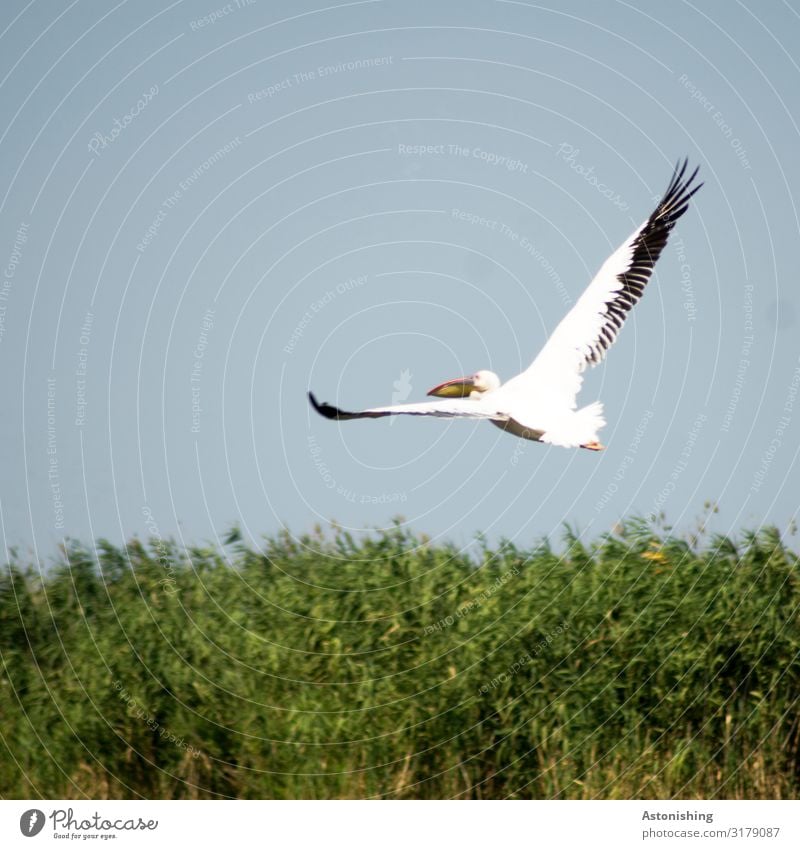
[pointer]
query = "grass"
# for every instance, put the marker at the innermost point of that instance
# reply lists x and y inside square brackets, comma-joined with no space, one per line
[325,667]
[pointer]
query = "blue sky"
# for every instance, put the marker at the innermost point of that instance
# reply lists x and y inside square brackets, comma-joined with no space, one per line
[209,208]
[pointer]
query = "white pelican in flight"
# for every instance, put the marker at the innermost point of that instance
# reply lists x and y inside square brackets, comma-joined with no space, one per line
[540,404]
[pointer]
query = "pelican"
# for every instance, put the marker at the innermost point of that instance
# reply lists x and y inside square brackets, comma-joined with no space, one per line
[540,403]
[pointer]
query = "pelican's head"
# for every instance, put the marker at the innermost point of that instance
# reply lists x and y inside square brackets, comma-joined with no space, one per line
[467,387]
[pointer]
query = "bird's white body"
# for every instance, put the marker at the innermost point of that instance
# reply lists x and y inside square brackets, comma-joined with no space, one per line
[541,402]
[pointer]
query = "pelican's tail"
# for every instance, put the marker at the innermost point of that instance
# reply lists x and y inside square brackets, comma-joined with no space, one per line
[577,428]
[591,420]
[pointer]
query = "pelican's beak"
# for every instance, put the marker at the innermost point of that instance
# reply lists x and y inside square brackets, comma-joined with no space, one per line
[458,388]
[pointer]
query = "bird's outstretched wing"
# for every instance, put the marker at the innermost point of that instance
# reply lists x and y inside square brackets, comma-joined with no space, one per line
[591,326]
[456,408]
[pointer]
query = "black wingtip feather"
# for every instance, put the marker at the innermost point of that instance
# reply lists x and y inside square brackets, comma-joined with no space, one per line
[328,411]
[678,194]
[647,247]
[325,410]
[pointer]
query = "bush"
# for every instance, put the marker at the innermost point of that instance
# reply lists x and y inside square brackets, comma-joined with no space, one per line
[322,666]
